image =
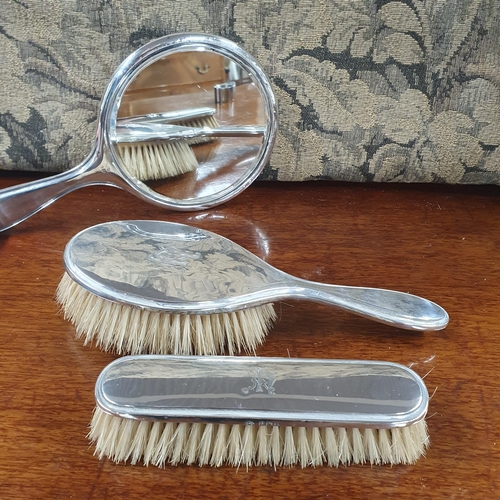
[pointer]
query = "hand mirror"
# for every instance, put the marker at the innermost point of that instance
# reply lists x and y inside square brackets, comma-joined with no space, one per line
[187,122]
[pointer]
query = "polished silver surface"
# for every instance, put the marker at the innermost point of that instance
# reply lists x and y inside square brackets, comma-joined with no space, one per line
[150,132]
[224,92]
[168,116]
[256,390]
[104,165]
[177,268]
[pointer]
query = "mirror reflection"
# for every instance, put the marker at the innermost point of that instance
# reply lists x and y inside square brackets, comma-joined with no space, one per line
[190,124]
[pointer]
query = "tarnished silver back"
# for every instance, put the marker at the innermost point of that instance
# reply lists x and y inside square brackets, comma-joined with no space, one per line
[306,392]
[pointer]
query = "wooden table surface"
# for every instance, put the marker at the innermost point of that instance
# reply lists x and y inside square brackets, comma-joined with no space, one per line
[440,242]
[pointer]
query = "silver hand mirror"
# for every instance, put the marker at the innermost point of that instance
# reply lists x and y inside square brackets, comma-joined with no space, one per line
[187,122]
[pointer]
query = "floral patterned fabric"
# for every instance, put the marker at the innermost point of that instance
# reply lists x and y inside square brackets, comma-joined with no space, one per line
[401,90]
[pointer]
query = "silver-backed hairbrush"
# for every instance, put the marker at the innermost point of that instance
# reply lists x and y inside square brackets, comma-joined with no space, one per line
[245,411]
[165,288]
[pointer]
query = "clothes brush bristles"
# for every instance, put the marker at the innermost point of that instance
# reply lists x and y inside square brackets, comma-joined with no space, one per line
[161,443]
[164,159]
[157,160]
[125,329]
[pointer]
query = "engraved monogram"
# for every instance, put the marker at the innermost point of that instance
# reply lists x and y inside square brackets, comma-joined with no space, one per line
[261,381]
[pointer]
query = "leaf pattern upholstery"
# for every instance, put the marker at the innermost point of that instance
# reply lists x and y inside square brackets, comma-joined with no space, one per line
[367,90]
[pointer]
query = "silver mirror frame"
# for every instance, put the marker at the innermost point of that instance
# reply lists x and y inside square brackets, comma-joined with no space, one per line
[152,52]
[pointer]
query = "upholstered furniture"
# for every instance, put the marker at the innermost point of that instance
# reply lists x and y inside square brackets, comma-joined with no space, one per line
[402,90]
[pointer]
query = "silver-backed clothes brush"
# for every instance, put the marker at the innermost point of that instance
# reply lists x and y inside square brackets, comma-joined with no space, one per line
[167,288]
[258,411]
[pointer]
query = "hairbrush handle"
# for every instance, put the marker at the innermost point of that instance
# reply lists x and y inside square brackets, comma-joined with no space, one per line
[394,308]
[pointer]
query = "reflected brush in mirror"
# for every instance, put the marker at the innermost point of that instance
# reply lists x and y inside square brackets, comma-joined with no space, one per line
[153,151]
[160,159]
[194,117]
[191,65]
[157,101]
[161,287]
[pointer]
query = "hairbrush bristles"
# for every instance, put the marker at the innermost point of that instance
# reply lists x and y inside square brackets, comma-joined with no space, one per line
[160,443]
[157,160]
[126,329]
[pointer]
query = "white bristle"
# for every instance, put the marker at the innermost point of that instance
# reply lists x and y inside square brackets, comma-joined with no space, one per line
[157,160]
[205,447]
[219,451]
[384,442]
[332,452]
[234,446]
[275,446]
[161,443]
[202,121]
[372,447]
[302,446]
[193,443]
[345,447]
[179,443]
[129,330]
[163,448]
[247,445]
[316,447]
[262,448]
[152,444]
[289,453]
[358,447]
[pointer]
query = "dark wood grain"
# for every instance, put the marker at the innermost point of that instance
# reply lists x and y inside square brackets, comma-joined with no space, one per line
[441,242]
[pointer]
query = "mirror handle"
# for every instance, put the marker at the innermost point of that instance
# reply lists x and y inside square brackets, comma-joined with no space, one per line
[20,202]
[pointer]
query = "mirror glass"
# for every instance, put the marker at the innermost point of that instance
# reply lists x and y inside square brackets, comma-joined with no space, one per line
[191,124]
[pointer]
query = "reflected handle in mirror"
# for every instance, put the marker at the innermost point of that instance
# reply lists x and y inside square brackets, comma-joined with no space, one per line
[147,132]
[177,117]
